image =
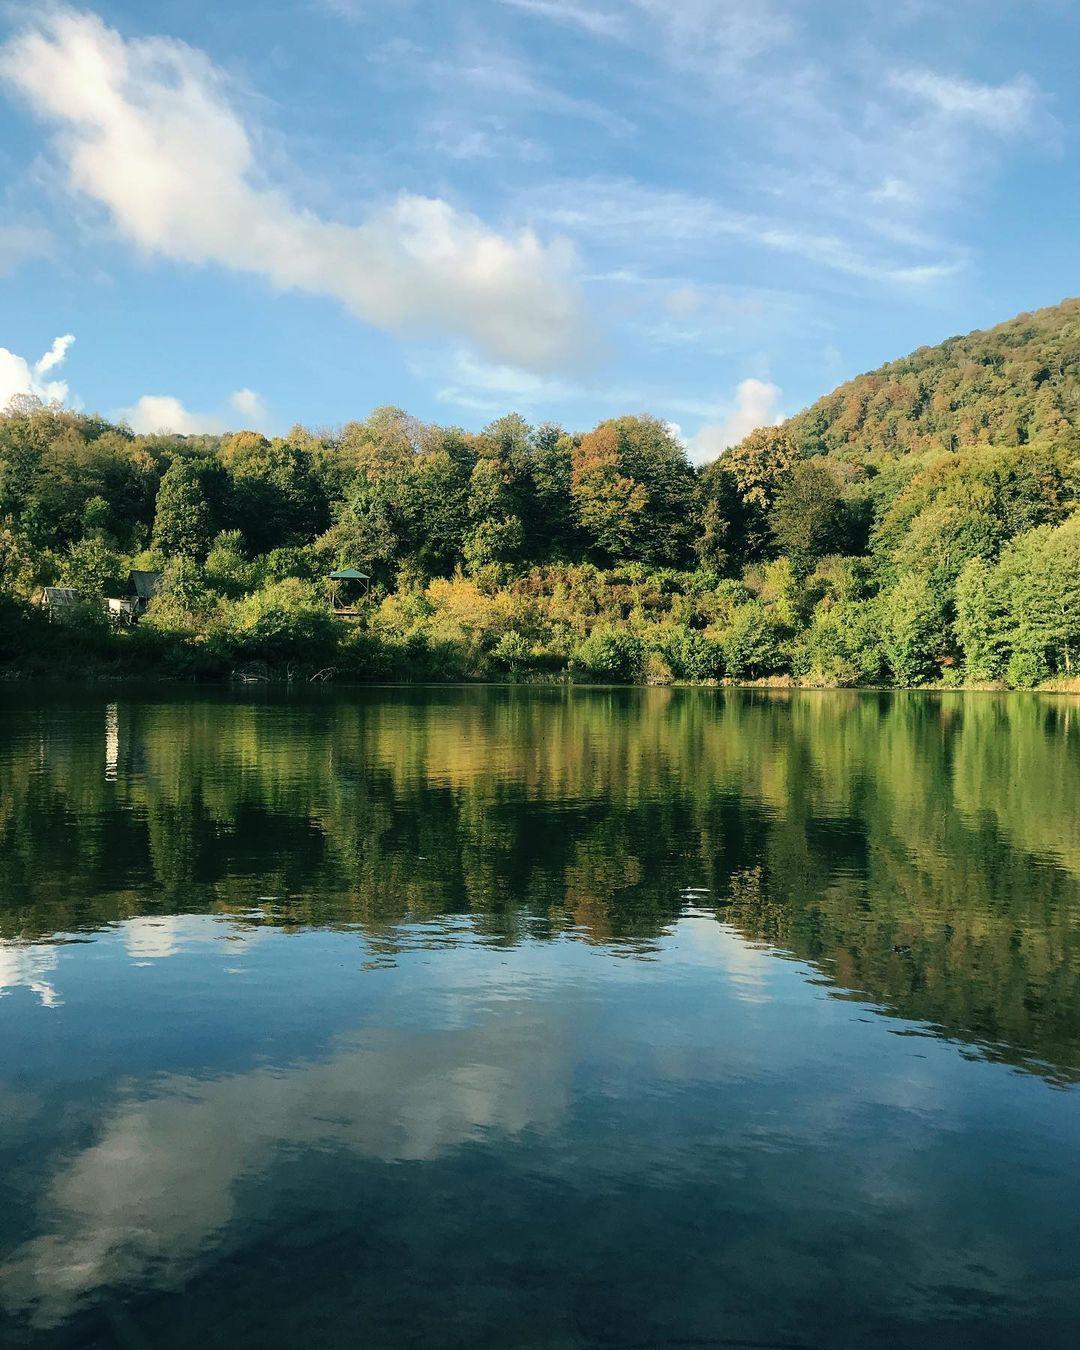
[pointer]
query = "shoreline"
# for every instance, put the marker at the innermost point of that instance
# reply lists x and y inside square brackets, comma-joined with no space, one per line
[774,683]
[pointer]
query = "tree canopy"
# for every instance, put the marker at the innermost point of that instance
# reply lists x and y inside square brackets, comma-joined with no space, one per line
[918,524]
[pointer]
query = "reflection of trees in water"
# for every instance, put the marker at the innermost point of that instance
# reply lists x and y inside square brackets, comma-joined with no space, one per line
[839,827]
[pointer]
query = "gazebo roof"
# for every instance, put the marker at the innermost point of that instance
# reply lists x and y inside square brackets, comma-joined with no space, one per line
[349,574]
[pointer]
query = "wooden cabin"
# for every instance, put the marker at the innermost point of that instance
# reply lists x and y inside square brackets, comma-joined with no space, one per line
[61,601]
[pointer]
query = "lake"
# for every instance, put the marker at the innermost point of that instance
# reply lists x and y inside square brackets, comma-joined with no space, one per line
[477,1017]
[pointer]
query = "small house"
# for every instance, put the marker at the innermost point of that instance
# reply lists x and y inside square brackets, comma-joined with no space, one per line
[61,601]
[122,609]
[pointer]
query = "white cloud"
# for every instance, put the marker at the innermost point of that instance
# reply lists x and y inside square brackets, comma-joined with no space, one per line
[598,22]
[1003,107]
[19,377]
[717,36]
[19,243]
[893,190]
[462,138]
[625,212]
[249,404]
[352,11]
[683,301]
[56,353]
[162,413]
[756,404]
[483,387]
[146,129]
[155,413]
[140,1201]
[505,77]
[24,964]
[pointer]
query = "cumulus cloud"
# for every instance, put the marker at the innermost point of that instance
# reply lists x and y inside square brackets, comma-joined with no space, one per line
[756,404]
[163,413]
[145,127]
[56,353]
[19,377]
[249,404]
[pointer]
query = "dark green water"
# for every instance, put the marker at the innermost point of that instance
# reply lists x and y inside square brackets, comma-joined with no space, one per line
[546,1018]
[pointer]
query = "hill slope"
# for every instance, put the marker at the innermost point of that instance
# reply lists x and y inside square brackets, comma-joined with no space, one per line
[1016,384]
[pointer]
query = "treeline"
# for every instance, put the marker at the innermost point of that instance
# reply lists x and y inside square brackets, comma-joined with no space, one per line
[532,552]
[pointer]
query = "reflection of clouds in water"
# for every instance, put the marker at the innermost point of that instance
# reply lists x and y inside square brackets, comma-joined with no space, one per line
[23,964]
[153,937]
[703,940]
[158,1184]
[149,938]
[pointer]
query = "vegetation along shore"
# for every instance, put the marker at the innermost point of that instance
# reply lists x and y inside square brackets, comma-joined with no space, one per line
[919,525]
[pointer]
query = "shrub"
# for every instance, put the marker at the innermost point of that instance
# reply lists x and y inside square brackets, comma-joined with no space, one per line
[752,643]
[692,655]
[842,646]
[611,654]
[1026,669]
[512,653]
[227,570]
[285,621]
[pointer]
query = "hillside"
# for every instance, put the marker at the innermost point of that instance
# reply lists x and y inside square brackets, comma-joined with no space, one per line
[931,535]
[1016,384]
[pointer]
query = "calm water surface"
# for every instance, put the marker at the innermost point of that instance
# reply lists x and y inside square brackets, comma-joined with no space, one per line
[539,1018]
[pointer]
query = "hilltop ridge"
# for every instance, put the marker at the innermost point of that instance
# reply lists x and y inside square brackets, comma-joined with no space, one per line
[1017,383]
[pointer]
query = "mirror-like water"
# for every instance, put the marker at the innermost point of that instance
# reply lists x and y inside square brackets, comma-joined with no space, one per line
[539,1018]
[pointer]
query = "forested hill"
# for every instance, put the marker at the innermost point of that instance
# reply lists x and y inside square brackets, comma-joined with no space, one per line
[1016,384]
[921,524]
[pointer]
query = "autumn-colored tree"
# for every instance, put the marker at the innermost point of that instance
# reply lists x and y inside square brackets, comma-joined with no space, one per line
[761,463]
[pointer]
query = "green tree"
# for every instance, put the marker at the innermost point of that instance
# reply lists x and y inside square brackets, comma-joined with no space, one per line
[912,627]
[808,516]
[185,517]
[981,624]
[1039,574]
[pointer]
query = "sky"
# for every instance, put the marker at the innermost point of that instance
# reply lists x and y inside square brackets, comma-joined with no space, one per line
[279,211]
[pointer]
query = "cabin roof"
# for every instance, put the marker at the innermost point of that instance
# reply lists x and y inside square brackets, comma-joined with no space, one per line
[349,574]
[145,584]
[61,595]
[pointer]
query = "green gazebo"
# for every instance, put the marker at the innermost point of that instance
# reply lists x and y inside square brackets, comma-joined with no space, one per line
[347,588]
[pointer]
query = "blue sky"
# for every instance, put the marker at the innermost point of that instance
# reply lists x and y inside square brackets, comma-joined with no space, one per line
[297,210]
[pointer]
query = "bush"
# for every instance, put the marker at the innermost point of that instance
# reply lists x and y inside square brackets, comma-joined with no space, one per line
[286,621]
[842,646]
[1026,669]
[228,570]
[753,643]
[512,653]
[692,655]
[611,654]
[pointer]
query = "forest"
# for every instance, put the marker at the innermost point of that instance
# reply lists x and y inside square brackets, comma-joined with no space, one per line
[918,526]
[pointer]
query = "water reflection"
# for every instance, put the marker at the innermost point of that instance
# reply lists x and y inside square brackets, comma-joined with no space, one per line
[922,850]
[539,1018]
